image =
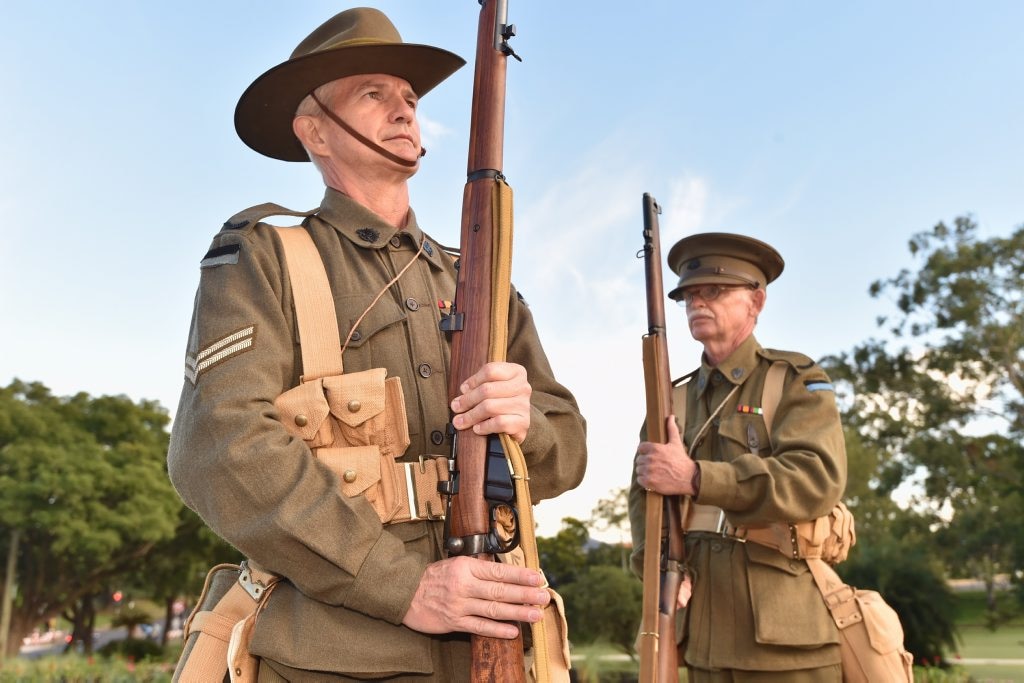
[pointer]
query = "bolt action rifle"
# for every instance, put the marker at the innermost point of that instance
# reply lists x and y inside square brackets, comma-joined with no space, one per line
[663,558]
[481,489]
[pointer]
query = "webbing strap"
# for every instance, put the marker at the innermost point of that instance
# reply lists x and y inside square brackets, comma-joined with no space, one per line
[314,305]
[771,394]
[207,661]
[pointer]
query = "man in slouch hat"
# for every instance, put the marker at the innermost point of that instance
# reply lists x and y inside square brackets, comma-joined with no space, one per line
[365,590]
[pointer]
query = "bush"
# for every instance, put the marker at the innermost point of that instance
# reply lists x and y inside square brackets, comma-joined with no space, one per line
[135,649]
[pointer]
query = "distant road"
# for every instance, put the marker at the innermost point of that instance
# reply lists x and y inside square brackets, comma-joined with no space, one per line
[100,638]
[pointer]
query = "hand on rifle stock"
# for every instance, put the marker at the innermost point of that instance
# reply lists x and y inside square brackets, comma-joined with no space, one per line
[666,468]
[495,400]
[476,596]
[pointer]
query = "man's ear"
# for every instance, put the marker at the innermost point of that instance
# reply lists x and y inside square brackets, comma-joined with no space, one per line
[307,130]
[758,300]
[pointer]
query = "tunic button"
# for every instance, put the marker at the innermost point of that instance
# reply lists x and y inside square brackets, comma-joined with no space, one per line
[349,476]
[436,437]
[424,370]
[354,405]
[301,420]
[412,304]
[357,335]
[396,241]
[716,547]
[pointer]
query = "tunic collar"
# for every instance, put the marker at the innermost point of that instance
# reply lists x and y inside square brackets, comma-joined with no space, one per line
[366,229]
[735,369]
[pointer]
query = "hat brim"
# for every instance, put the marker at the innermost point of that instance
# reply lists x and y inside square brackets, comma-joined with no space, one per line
[264,114]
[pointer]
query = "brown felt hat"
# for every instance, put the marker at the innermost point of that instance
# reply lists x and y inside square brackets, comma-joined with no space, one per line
[723,258]
[357,41]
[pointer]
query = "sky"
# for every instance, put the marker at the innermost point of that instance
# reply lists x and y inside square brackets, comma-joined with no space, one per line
[833,131]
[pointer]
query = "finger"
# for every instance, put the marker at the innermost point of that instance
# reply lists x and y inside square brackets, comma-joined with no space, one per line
[495,610]
[505,573]
[487,628]
[494,371]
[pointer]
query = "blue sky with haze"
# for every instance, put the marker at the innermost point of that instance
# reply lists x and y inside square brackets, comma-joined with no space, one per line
[833,131]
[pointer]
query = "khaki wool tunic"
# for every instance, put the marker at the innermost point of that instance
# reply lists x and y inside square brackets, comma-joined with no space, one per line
[349,579]
[753,608]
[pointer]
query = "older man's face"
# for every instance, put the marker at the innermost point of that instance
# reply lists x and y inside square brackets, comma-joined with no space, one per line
[725,320]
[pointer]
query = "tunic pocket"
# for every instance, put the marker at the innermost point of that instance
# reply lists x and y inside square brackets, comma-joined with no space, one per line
[787,607]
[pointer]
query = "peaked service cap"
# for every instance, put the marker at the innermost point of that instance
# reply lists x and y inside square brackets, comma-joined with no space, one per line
[723,258]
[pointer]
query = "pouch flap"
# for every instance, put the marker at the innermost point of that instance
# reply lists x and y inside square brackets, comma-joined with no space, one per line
[356,397]
[884,629]
[357,467]
[303,409]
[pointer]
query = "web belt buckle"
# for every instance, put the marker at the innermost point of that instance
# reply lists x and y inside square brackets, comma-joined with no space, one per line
[410,488]
[724,529]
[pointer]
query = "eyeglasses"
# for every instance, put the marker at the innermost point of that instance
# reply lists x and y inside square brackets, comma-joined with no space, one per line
[705,292]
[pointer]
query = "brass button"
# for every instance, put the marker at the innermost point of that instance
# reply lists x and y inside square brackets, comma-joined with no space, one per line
[354,405]
[716,547]
[436,437]
[412,304]
[425,370]
[349,476]
[357,335]
[396,241]
[301,420]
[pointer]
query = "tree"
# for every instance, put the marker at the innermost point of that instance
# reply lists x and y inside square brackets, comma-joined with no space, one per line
[564,556]
[604,604]
[613,513]
[941,401]
[83,480]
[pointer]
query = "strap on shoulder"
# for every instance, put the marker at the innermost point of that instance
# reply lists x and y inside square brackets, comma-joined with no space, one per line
[772,392]
[314,304]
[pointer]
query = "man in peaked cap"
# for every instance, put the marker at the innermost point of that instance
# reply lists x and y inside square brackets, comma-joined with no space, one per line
[748,612]
[364,593]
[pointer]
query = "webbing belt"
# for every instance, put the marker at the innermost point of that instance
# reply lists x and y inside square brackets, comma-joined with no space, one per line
[780,535]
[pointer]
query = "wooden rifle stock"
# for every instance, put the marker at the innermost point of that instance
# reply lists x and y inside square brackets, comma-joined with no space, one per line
[470,524]
[663,556]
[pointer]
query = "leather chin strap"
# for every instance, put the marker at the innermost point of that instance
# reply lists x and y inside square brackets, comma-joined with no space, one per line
[366,141]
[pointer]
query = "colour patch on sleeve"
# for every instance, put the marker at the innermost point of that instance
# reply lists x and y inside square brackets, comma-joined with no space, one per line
[219,256]
[219,351]
[819,386]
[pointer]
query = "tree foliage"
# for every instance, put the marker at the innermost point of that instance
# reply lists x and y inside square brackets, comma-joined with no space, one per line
[604,604]
[940,401]
[84,480]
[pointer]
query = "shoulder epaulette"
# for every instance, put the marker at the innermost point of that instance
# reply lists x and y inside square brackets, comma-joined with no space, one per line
[793,358]
[255,214]
[685,378]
